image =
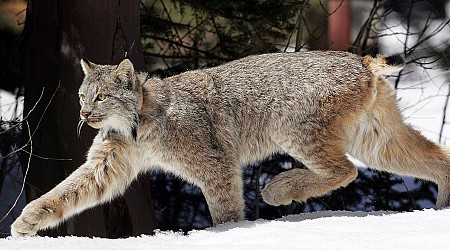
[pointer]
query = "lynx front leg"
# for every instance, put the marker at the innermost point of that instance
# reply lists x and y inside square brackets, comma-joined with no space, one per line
[74,194]
[38,214]
[105,175]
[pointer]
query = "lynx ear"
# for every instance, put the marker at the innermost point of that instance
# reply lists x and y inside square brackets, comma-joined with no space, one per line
[87,66]
[125,71]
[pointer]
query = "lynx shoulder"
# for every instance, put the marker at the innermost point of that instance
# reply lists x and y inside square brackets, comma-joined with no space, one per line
[205,125]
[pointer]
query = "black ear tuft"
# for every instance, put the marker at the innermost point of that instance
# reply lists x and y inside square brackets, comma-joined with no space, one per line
[395,60]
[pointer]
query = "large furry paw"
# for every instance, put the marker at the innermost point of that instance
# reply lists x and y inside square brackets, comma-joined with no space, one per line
[277,192]
[22,227]
[34,216]
[286,187]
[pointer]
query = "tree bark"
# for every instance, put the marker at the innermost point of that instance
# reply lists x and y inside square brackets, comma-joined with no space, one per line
[57,34]
[339,25]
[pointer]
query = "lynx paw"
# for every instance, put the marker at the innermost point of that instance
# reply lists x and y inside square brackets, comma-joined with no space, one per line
[21,228]
[34,216]
[277,193]
[286,187]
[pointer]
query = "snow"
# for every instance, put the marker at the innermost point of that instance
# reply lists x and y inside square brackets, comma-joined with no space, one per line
[427,229]
[9,107]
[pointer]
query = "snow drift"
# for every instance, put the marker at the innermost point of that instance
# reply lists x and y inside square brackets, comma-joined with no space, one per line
[427,229]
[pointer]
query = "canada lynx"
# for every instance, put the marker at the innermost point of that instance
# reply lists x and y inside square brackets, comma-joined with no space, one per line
[205,125]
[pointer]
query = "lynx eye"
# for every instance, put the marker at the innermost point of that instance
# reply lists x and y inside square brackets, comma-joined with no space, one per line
[81,97]
[101,97]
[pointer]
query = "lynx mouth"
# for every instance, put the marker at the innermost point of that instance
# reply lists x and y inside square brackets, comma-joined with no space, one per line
[94,122]
[91,122]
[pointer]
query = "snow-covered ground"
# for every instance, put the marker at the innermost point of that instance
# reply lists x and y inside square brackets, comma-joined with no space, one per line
[428,229]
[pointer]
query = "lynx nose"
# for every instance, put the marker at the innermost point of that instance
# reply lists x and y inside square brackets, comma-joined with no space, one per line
[85,114]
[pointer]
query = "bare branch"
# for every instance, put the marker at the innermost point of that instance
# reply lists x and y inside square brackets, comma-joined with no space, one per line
[24,178]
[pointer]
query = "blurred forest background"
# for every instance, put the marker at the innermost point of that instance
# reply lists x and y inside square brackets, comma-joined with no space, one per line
[41,43]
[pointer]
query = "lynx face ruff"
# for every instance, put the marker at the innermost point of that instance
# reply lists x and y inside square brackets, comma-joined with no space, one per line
[205,125]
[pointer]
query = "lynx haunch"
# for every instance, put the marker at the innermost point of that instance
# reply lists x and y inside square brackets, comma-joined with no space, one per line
[205,125]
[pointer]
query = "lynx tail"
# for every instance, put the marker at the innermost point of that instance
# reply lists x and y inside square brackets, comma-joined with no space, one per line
[382,65]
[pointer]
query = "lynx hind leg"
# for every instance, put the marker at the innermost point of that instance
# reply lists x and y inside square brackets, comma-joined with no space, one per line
[383,141]
[402,150]
[443,199]
[328,169]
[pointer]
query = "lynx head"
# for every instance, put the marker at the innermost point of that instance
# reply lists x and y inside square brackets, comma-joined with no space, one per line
[110,98]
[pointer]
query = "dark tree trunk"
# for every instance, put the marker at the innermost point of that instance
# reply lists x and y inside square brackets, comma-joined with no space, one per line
[57,34]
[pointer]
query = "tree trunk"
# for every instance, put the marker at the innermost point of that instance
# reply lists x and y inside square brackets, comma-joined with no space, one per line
[57,34]
[339,24]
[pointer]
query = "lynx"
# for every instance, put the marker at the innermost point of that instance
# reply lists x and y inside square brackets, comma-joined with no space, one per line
[205,125]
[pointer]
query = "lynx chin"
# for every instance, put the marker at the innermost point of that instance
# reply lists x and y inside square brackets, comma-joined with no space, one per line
[205,125]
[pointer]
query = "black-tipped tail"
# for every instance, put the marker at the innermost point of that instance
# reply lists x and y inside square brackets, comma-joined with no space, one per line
[381,65]
[395,60]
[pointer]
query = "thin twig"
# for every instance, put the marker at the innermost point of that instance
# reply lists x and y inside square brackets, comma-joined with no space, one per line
[301,25]
[40,120]
[26,117]
[45,158]
[409,194]
[24,178]
[366,27]
[334,11]
[444,112]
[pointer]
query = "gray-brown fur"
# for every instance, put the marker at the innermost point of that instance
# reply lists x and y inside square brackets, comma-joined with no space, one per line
[205,125]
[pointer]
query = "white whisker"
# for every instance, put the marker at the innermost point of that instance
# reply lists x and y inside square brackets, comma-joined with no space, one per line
[80,124]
